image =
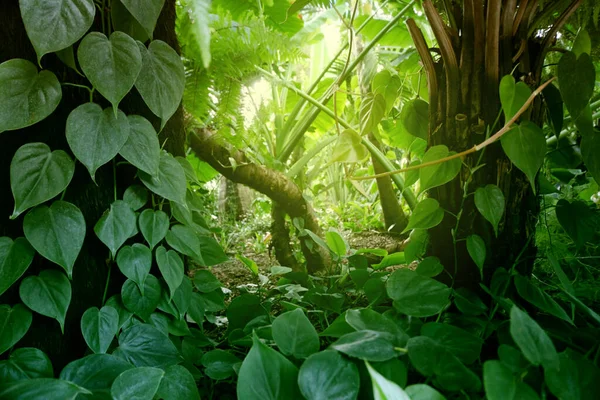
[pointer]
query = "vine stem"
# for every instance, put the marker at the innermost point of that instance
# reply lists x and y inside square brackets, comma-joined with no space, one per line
[473,149]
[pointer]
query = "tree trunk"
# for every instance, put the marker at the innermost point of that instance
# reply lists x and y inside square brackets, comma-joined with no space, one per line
[490,37]
[90,270]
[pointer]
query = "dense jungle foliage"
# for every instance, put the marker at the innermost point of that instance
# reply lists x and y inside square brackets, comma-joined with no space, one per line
[309,199]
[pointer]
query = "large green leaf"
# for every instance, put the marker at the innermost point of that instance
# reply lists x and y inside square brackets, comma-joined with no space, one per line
[415,118]
[137,383]
[384,389]
[186,241]
[37,175]
[26,97]
[477,250]
[15,258]
[578,219]
[533,341]
[14,324]
[41,388]
[219,364]
[56,232]
[48,294]
[421,391]
[54,25]
[427,214]
[145,12]
[387,84]
[135,262]
[178,384]
[372,110]
[525,145]
[438,174]
[171,268]
[416,295]
[25,363]
[99,327]
[336,243]
[328,375]
[367,345]
[112,65]
[95,136]
[162,80]
[295,335]
[489,200]
[136,196]
[142,148]
[430,266]
[194,24]
[211,250]
[154,226]
[464,345]
[143,345]
[95,372]
[501,384]
[124,21]
[512,95]
[576,78]
[539,298]
[141,304]
[170,182]
[368,319]
[115,225]
[577,379]
[267,375]
[348,148]
[555,108]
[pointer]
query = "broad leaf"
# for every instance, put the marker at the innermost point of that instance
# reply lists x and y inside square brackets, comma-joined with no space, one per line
[123,21]
[54,25]
[99,327]
[576,77]
[367,345]
[115,225]
[37,175]
[219,364]
[15,258]
[211,250]
[489,200]
[95,372]
[26,97]
[533,341]
[578,219]
[555,108]
[142,148]
[144,345]
[415,118]
[525,146]
[141,304]
[416,295]
[171,268]
[135,262]
[205,281]
[186,241]
[336,243]
[501,384]
[41,388]
[386,84]
[117,303]
[48,294]
[295,335]
[112,65]
[430,267]
[438,174]
[462,344]
[423,392]
[25,363]
[384,389]
[577,379]
[14,324]
[137,383]
[512,95]
[56,232]
[477,250]
[367,319]
[170,182]
[536,296]
[136,196]
[154,226]
[372,110]
[145,12]
[178,384]
[427,214]
[328,375]
[348,148]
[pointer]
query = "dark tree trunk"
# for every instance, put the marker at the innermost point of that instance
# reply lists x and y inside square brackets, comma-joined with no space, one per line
[90,270]
[489,39]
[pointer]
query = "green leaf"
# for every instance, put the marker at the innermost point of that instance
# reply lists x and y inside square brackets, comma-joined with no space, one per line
[417,295]
[267,375]
[48,294]
[462,344]
[41,388]
[348,148]
[555,106]
[512,95]
[501,384]
[136,196]
[219,364]
[137,383]
[295,335]
[387,85]
[15,258]
[328,375]
[145,12]
[336,243]
[195,24]
[578,219]
[154,226]
[423,392]
[533,341]
[112,65]
[115,225]
[477,251]
[26,97]
[242,310]
[178,384]
[183,294]
[205,281]
[116,303]
[138,303]
[367,345]
[95,372]
[99,327]
[142,148]
[123,21]
[397,258]
[489,200]
[143,345]
[468,302]
[366,319]
[582,43]
[14,324]
[536,296]
[37,175]
[196,309]
[384,389]
[438,174]
[427,214]
[525,146]
[186,241]
[430,267]
[171,268]
[211,250]
[577,379]
[56,232]
[25,363]
[576,77]
[372,110]
[590,151]
[52,26]
[162,80]
[135,262]
[415,118]
[170,182]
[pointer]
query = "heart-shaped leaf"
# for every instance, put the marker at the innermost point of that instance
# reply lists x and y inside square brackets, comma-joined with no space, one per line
[145,12]
[178,383]
[162,80]
[328,375]
[154,226]
[142,148]
[48,294]
[186,241]
[219,364]
[115,225]
[426,214]
[387,84]
[555,108]
[123,21]
[417,295]
[14,324]
[477,251]
[295,335]
[372,110]
[141,304]
[25,363]
[135,263]
[95,372]
[415,118]
[136,196]
[99,327]
[111,65]
[576,77]
[137,383]
[525,145]
[170,182]
[438,174]
[26,97]
[56,232]
[37,175]
[512,95]
[348,148]
[15,258]
[95,136]
[144,345]
[171,268]
[533,341]
[54,25]
[116,303]
[41,388]
[489,200]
